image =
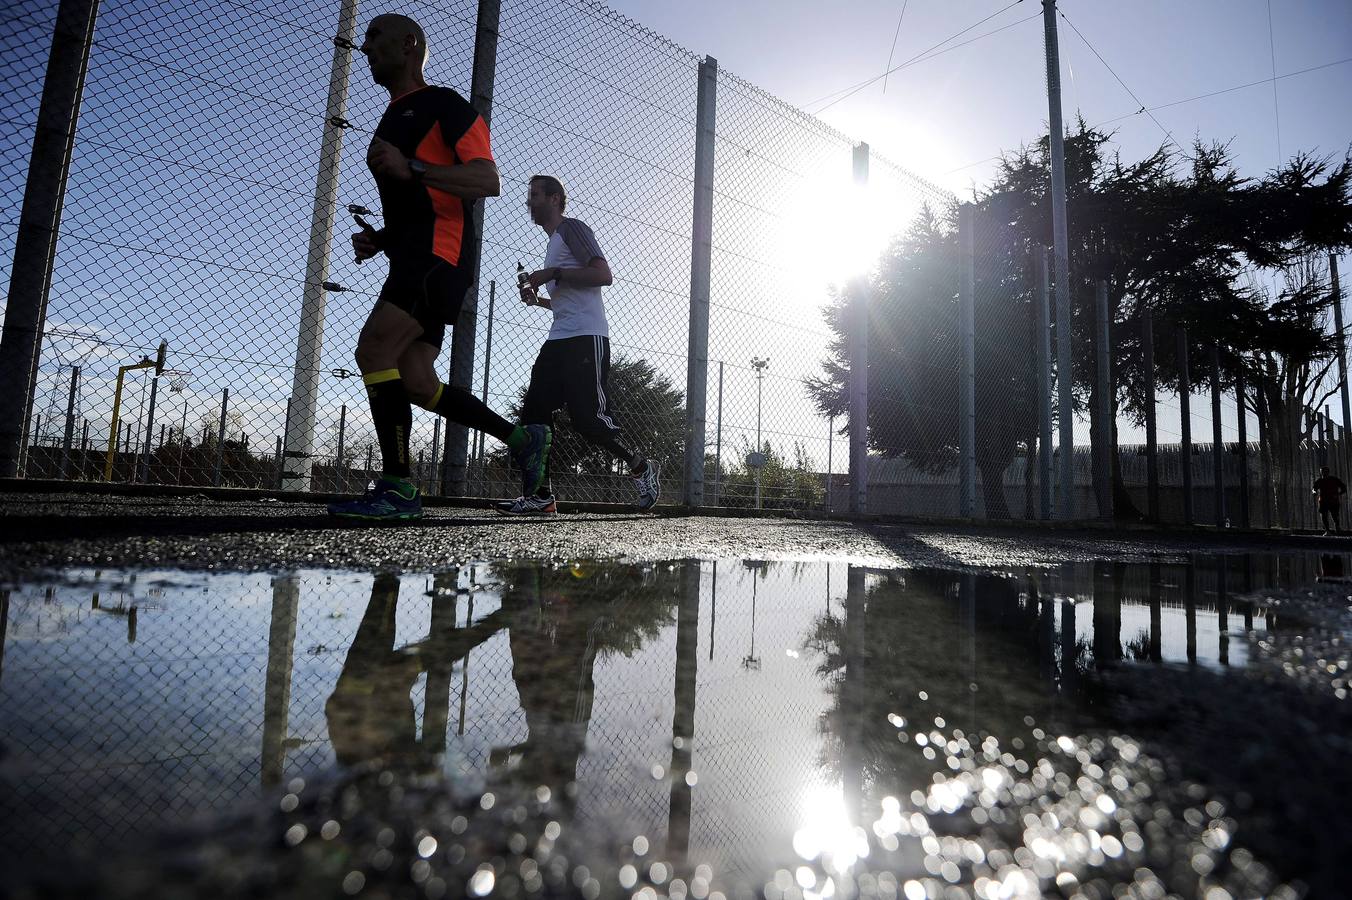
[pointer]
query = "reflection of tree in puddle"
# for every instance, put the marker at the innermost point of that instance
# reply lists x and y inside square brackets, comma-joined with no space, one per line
[943,734]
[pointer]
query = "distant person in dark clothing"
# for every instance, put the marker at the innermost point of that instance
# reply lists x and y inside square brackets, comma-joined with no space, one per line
[1329,489]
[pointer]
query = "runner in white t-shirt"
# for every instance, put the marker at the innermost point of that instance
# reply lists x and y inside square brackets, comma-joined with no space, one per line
[574,362]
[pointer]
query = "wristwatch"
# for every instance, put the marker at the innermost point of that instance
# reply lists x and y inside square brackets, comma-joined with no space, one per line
[558,275]
[418,168]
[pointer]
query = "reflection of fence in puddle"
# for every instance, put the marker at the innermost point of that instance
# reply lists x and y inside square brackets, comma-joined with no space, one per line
[719,701]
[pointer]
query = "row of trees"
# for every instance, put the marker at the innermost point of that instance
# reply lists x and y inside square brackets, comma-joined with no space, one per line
[1184,237]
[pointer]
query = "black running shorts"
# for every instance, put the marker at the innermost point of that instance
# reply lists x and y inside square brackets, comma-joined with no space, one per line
[430,290]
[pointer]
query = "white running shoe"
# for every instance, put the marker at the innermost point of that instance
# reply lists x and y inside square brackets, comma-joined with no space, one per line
[648,487]
[528,506]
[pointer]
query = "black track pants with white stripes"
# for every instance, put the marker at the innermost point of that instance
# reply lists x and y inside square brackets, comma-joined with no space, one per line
[572,372]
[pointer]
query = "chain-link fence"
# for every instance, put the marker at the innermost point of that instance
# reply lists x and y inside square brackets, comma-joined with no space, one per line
[204,305]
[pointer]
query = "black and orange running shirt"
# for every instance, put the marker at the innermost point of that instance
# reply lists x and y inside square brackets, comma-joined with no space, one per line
[439,127]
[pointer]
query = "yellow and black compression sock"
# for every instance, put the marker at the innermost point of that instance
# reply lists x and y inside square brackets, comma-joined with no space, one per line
[459,405]
[393,418]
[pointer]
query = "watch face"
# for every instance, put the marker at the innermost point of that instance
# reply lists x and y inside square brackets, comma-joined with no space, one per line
[418,167]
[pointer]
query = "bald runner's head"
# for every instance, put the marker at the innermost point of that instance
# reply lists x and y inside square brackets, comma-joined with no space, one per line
[396,49]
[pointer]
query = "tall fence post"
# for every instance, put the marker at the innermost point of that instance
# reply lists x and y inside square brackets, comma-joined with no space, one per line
[858,345]
[701,263]
[1152,457]
[1264,453]
[1185,424]
[150,430]
[1345,461]
[1061,257]
[1103,474]
[966,361]
[454,460]
[220,437]
[436,448]
[488,366]
[300,426]
[30,277]
[339,468]
[1044,388]
[1217,439]
[718,439]
[70,420]
[1242,402]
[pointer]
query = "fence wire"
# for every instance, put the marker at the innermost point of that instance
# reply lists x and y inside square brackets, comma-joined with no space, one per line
[187,221]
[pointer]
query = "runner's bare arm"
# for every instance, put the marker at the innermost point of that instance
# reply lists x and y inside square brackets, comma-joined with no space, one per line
[472,180]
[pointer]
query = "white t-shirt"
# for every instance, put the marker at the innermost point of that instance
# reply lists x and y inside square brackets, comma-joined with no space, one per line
[578,310]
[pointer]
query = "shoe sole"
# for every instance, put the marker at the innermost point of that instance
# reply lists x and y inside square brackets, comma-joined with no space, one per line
[533,512]
[397,517]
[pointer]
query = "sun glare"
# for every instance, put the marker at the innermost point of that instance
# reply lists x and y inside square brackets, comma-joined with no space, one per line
[827,831]
[838,231]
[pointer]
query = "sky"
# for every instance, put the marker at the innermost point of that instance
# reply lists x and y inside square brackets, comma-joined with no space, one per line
[945,117]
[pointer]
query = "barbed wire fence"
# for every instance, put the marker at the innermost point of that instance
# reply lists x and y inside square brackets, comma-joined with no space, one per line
[198,323]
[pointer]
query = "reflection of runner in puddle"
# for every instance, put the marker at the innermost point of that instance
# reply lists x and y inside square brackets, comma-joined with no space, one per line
[565,619]
[1331,568]
[371,715]
[554,641]
[371,710]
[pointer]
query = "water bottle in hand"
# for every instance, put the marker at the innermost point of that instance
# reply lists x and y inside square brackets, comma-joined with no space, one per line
[528,295]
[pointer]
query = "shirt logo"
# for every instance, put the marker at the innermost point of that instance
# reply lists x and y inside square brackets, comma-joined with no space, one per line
[408,113]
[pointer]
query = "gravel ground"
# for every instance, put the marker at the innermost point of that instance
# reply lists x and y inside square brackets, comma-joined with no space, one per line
[46,530]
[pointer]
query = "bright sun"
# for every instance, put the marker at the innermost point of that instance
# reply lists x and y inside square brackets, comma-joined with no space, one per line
[838,231]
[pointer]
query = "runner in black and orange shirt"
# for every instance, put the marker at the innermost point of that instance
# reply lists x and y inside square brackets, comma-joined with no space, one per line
[432,159]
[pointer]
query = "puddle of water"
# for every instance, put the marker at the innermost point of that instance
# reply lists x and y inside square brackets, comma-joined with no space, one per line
[743,725]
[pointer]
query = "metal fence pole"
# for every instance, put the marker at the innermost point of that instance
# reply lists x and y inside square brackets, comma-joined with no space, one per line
[40,224]
[966,362]
[1242,402]
[150,429]
[701,263]
[1217,439]
[1044,387]
[1264,453]
[488,365]
[70,420]
[830,455]
[1103,476]
[220,437]
[1337,301]
[858,349]
[1061,255]
[1325,435]
[454,461]
[339,476]
[718,438]
[436,447]
[1185,424]
[1152,456]
[300,426]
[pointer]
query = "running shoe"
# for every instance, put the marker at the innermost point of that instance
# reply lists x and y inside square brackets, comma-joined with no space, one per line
[528,506]
[384,501]
[533,458]
[648,488]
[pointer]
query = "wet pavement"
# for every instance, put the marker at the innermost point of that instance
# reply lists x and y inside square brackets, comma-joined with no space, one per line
[194,532]
[863,712]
